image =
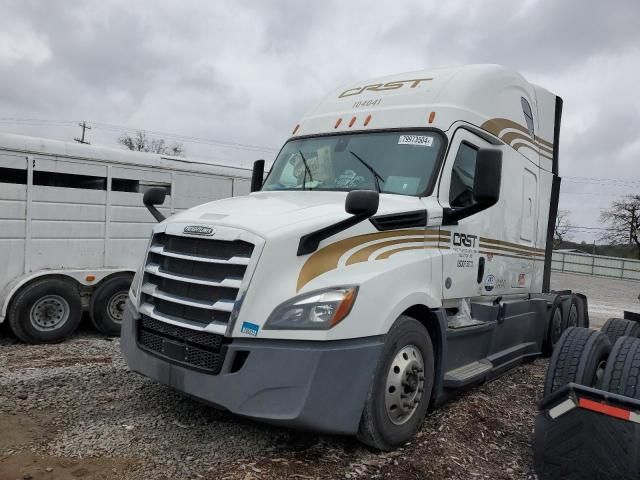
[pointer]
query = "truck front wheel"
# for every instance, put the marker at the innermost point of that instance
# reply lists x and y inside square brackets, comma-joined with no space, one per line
[45,311]
[401,388]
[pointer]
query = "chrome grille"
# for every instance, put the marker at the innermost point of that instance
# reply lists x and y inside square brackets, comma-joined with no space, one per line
[193,280]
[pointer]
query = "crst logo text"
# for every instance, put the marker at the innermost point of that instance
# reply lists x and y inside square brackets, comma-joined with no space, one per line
[380,87]
[464,240]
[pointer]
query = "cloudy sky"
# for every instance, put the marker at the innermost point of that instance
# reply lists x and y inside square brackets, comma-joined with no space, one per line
[237,75]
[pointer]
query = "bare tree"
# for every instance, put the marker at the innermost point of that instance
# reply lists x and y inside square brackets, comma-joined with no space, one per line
[141,142]
[563,228]
[623,219]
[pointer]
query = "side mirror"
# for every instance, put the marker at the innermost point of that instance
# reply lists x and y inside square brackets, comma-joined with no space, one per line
[257,175]
[486,186]
[362,203]
[152,197]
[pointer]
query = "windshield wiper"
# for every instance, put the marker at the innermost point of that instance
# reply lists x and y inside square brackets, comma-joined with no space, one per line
[376,176]
[306,170]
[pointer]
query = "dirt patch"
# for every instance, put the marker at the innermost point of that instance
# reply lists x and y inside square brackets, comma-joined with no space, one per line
[17,430]
[26,466]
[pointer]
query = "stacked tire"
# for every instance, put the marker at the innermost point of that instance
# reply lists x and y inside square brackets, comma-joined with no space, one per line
[608,359]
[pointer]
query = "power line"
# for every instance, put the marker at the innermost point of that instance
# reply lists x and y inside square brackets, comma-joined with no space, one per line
[35,122]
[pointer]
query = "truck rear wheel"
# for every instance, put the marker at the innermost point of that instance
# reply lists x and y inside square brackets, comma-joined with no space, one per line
[45,311]
[107,304]
[579,357]
[555,327]
[615,328]
[622,373]
[401,388]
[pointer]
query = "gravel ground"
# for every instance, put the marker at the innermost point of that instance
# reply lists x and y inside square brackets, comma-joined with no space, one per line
[74,411]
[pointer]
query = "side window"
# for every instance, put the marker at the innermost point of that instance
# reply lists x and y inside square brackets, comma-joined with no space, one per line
[528,115]
[462,176]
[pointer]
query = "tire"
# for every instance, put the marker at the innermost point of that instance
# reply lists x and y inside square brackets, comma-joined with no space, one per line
[573,317]
[583,310]
[622,373]
[382,426]
[107,304]
[45,311]
[555,327]
[578,357]
[615,328]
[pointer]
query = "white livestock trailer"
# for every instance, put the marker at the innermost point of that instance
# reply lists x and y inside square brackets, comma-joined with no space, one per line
[73,227]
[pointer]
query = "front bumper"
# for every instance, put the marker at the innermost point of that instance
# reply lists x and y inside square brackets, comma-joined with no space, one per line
[320,386]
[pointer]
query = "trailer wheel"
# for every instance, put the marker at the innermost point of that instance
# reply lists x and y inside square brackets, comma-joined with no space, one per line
[579,357]
[401,388]
[45,311]
[622,373]
[107,304]
[615,328]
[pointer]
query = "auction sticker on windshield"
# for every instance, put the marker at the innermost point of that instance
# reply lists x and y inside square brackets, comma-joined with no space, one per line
[419,140]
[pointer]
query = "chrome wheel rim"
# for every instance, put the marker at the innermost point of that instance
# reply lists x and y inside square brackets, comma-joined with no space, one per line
[405,384]
[115,307]
[49,312]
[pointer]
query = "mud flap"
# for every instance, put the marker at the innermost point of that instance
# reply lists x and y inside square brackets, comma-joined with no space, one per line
[584,433]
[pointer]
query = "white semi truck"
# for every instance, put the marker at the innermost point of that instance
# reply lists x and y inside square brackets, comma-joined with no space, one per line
[73,227]
[397,252]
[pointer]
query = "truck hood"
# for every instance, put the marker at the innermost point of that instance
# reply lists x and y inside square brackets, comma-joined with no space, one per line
[266,212]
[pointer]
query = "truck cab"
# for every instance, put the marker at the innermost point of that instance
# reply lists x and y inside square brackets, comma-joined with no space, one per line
[397,251]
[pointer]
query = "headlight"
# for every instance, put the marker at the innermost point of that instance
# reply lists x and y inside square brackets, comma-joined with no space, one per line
[318,310]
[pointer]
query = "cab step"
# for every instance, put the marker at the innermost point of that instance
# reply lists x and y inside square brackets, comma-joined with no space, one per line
[471,373]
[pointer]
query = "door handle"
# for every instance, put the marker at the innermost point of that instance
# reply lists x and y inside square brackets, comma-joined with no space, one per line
[480,270]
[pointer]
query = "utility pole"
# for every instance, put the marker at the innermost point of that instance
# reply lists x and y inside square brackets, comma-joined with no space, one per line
[84,126]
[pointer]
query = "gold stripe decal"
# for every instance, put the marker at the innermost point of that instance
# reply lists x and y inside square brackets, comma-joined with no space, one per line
[327,258]
[521,138]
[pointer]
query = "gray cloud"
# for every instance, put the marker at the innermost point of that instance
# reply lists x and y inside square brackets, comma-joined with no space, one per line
[246,71]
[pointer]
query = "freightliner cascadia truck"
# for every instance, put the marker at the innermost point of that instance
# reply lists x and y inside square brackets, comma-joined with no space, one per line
[397,252]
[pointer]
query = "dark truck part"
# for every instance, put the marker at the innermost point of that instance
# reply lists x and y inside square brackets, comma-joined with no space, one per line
[582,433]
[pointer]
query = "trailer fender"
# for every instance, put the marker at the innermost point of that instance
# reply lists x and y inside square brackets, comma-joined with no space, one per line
[84,277]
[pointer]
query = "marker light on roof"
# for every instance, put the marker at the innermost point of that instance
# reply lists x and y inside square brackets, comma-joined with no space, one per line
[432,117]
[338,122]
[353,120]
[295,129]
[367,120]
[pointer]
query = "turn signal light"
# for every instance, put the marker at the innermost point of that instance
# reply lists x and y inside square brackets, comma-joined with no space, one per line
[90,278]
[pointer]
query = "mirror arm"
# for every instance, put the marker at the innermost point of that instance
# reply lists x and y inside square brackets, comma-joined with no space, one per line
[155,212]
[309,243]
[450,216]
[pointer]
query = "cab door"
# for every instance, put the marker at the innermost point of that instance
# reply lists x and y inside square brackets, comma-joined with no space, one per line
[467,263]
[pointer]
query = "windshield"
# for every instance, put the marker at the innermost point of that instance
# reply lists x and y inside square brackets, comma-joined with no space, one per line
[400,162]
